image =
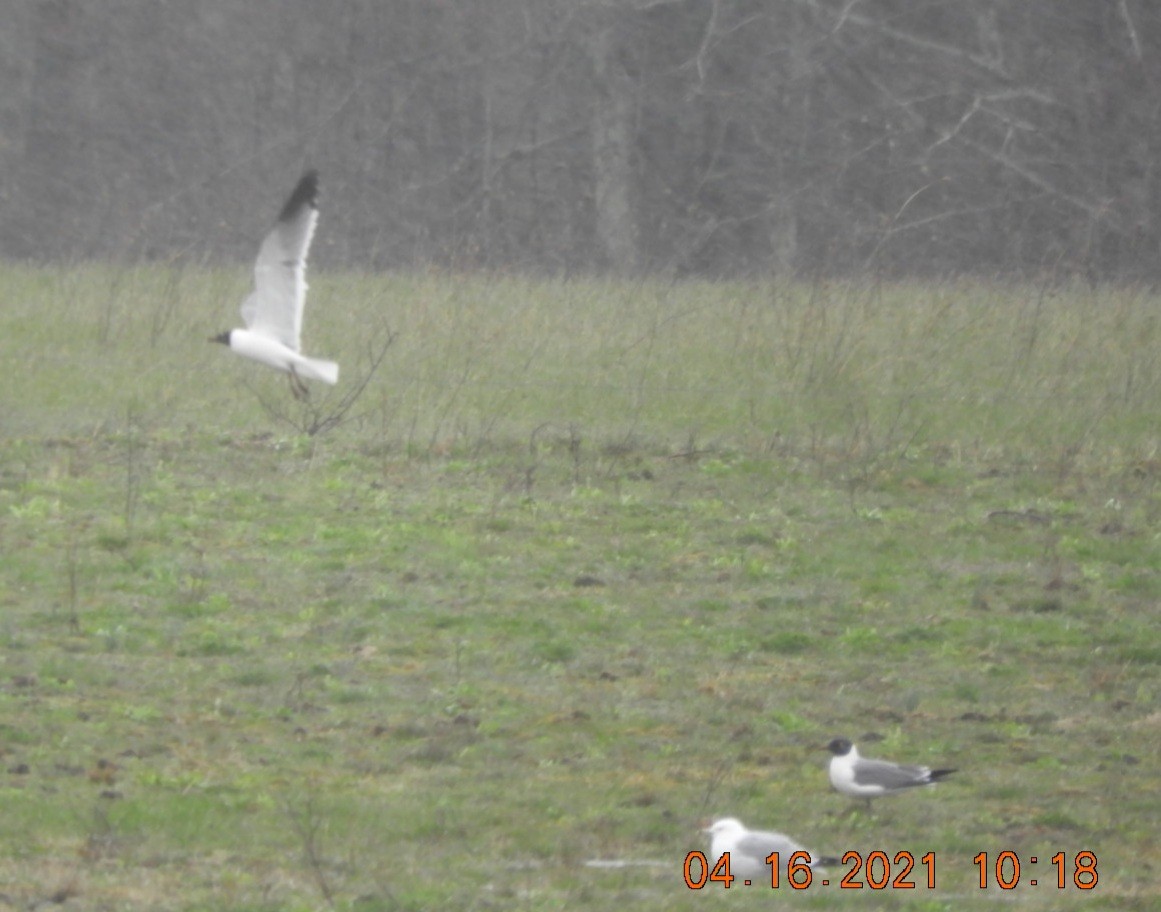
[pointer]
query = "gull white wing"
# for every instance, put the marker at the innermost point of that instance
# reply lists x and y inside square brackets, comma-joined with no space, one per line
[758,844]
[274,309]
[749,849]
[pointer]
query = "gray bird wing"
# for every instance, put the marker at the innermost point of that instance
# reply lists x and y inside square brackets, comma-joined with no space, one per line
[759,844]
[889,775]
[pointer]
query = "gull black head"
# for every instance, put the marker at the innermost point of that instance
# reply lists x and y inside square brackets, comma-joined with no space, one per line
[224,338]
[839,747]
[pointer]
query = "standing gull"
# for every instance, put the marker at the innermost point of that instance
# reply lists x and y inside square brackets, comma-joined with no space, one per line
[273,311]
[749,849]
[860,777]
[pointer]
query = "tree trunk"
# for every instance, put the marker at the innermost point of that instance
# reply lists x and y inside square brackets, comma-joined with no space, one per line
[59,113]
[612,127]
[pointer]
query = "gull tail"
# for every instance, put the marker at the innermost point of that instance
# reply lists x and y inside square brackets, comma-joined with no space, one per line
[318,369]
[936,775]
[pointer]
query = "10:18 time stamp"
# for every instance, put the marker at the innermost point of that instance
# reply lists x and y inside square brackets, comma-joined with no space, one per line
[875,871]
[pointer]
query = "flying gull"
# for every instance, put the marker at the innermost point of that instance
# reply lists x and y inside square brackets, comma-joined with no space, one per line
[273,311]
[860,777]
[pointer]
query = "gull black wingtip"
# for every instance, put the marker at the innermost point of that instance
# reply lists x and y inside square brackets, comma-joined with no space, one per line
[305,194]
[223,338]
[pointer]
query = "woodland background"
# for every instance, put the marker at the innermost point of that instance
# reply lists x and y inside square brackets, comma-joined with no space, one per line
[664,137]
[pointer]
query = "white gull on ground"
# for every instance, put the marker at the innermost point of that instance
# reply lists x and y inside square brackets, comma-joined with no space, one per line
[749,850]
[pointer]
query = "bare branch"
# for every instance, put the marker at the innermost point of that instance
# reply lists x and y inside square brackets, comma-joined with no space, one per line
[703,48]
[1123,7]
[314,418]
[338,415]
[917,41]
[1098,211]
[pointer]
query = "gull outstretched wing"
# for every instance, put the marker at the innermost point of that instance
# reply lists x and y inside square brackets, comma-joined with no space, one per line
[274,309]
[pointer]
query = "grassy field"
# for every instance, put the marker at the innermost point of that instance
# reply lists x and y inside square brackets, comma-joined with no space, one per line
[586,564]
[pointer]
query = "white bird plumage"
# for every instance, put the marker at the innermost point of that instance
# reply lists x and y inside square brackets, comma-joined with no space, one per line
[273,311]
[749,849]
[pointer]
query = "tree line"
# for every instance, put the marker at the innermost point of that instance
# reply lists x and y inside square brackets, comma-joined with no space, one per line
[670,137]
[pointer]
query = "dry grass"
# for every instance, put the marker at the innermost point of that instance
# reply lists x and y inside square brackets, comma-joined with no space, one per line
[591,562]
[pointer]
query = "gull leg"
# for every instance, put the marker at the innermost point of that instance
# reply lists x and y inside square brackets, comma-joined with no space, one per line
[297,388]
[858,807]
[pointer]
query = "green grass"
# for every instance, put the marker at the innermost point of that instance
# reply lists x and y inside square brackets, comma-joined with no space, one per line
[592,561]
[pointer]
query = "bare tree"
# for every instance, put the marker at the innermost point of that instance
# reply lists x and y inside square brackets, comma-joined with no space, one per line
[613,144]
[714,137]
